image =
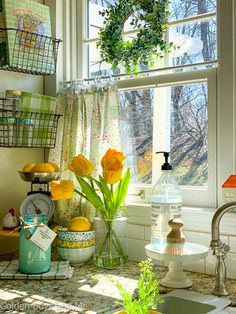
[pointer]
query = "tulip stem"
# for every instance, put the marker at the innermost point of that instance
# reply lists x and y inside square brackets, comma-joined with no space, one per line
[111,240]
[112,193]
[81,194]
[91,182]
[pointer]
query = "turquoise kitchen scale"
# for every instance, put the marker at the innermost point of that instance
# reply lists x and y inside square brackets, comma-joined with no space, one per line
[38,201]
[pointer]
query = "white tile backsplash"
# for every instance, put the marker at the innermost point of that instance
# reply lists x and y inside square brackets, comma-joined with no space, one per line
[230,263]
[136,250]
[232,244]
[197,237]
[147,233]
[210,264]
[136,231]
[140,234]
[121,227]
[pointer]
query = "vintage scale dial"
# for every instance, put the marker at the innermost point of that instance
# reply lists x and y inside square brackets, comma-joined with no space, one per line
[37,204]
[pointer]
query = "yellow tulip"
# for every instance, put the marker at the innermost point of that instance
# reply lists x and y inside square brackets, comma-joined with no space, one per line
[112,153]
[62,189]
[81,166]
[112,170]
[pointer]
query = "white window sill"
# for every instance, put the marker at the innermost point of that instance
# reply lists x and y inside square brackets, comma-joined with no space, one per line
[195,218]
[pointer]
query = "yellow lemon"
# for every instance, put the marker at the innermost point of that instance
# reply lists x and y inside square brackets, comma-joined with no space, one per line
[55,167]
[44,167]
[28,167]
[79,224]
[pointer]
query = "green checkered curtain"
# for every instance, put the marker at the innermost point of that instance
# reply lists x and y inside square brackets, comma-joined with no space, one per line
[89,126]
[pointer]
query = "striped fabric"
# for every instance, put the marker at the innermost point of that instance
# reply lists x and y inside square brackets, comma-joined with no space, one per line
[37,103]
[59,270]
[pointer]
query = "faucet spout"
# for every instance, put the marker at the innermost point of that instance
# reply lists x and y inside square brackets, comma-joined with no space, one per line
[217,217]
[220,249]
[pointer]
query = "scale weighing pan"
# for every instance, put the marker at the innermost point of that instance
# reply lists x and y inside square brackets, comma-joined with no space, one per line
[39,177]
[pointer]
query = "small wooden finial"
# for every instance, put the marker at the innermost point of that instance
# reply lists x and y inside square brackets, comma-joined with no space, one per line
[176,235]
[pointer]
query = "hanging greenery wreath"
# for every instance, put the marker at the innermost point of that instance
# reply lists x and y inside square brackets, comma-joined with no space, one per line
[149,42]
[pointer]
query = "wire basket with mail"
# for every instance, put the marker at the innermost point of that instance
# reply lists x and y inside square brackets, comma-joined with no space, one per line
[28,121]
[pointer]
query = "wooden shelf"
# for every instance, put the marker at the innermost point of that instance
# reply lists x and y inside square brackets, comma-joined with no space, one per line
[9,233]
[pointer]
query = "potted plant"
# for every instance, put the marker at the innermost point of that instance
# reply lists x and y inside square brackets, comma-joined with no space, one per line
[148,292]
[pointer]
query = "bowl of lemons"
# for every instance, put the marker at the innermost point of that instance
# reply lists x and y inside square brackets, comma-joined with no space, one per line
[76,243]
[40,173]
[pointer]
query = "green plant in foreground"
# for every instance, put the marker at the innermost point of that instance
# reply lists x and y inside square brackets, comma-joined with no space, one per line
[148,292]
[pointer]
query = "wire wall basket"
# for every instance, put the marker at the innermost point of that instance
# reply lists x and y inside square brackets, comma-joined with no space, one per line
[26,129]
[27,52]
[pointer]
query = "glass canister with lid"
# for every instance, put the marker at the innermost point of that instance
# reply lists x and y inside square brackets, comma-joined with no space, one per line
[32,259]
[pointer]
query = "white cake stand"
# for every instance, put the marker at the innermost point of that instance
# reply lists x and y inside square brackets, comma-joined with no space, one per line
[177,255]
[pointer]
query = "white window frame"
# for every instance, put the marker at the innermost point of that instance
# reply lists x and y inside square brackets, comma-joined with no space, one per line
[225,79]
[142,193]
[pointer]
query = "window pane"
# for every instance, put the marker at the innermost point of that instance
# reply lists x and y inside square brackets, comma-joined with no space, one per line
[198,42]
[94,19]
[136,132]
[96,67]
[179,9]
[184,8]
[189,133]
[185,131]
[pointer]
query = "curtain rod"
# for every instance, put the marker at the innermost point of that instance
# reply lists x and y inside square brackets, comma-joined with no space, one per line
[206,63]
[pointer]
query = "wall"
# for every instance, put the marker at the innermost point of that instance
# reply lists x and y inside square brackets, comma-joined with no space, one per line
[197,229]
[12,189]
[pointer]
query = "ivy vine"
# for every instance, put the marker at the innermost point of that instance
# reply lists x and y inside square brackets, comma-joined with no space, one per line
[149,42]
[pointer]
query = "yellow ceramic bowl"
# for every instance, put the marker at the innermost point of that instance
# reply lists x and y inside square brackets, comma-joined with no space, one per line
[73,236]
[74,245]
[76,256]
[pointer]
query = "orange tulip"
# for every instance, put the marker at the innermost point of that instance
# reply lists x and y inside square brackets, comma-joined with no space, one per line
[62,189]
[112,170]
[112,153]
[81,166]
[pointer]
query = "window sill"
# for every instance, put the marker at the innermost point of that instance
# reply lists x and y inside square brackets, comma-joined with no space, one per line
[196,219]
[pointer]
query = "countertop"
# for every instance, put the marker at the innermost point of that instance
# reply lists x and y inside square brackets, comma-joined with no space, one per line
[90,290]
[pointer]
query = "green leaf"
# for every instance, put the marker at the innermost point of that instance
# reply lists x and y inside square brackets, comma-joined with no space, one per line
[150,36]
[121,190]
[91,194]
[106,192]
[148,293]
[105,189]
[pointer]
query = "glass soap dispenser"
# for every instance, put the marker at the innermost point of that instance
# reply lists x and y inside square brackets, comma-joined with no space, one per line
[166,205]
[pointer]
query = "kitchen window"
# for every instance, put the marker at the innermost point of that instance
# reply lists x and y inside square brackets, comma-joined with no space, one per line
[185,106]
[178,115]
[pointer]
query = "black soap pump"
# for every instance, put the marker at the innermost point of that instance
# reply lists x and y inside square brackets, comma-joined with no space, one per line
[166,204]
[166,165]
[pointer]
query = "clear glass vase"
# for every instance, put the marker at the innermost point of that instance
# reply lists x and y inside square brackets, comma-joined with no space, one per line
[110,242]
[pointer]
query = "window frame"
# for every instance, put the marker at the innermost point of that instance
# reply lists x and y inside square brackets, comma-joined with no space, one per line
[225,77]
[141,193]
[87,41]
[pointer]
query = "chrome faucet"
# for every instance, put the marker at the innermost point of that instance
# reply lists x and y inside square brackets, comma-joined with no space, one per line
[220,249]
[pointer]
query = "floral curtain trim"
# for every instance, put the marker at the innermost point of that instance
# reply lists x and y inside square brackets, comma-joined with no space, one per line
[89,126]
